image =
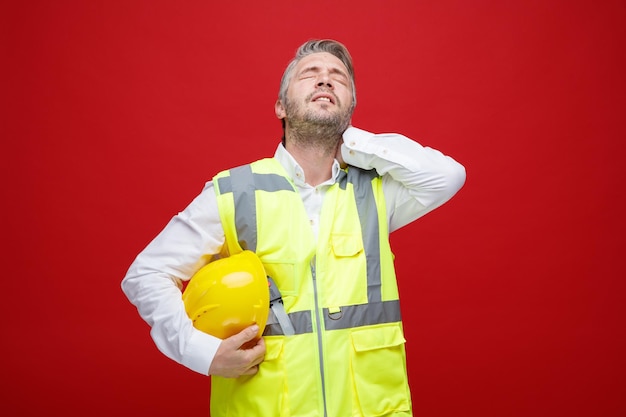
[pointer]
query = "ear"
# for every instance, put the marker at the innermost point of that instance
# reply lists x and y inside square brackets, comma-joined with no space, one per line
[280,110]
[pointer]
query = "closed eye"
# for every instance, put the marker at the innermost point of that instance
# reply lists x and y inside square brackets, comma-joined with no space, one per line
[341,78]
[308,73]
[336,74]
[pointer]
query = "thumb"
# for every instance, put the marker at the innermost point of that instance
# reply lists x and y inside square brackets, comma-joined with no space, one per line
[245,335]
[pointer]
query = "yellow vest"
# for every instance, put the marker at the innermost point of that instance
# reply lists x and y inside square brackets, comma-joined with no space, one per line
[347,355]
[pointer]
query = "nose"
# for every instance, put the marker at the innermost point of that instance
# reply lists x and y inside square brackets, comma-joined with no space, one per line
[323,80]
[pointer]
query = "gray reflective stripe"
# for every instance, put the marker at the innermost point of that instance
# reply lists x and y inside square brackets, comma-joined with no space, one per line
[363,315]
[348,317]
[264,182]
[242,182]
[300,320]
[272,182]
[368,215]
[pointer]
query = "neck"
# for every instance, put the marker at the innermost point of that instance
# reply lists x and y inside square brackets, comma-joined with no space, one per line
[315,158]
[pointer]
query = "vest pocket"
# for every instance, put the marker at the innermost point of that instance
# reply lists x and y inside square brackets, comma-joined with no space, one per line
[263,394]
[379,370]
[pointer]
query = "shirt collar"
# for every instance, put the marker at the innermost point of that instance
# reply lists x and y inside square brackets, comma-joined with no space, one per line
[295,171]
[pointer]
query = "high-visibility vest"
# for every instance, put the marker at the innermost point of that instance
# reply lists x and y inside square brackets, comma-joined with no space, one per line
[347,356]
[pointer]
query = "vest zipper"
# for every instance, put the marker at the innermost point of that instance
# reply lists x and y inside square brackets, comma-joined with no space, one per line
[318,318]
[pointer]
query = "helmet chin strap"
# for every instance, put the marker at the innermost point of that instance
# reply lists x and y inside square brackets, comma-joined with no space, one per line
[277,307]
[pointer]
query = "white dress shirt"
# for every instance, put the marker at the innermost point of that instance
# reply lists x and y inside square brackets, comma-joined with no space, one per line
[416,180]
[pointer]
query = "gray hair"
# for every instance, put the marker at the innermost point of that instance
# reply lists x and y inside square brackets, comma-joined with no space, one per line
[312,47]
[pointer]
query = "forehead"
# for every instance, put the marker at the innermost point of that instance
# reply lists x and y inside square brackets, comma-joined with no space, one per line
[321,60]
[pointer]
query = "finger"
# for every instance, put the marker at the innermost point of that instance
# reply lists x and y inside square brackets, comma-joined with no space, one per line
[245,335]
[257,361]
[251,370]
[256,353]
[259,346]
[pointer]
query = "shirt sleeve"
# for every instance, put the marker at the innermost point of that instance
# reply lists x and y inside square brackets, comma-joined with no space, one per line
[152,282]
[416,179]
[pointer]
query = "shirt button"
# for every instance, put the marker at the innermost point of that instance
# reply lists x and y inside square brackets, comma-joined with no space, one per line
[352,143]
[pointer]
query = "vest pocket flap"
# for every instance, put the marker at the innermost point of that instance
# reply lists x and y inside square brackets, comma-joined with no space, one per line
[346,244]
[377,338]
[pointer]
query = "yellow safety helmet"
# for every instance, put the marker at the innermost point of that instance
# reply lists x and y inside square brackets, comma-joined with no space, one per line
[228,295]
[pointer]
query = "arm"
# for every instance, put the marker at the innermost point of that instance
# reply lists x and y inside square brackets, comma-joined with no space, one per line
[152,285]
[416,179]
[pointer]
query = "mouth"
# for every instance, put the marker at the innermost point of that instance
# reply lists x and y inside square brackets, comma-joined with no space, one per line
[323,98]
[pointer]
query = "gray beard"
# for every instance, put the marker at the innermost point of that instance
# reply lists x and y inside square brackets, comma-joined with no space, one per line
[316,132]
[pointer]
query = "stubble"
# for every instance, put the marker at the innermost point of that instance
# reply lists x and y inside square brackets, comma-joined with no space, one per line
[316,129]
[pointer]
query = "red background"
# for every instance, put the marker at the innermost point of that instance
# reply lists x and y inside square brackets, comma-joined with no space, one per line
[114,114]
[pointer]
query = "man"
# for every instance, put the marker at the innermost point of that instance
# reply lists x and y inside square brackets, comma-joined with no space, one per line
[318,216]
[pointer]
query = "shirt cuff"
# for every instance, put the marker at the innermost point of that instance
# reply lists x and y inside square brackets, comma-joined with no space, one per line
[358,148]
[200,351]
[353,136]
